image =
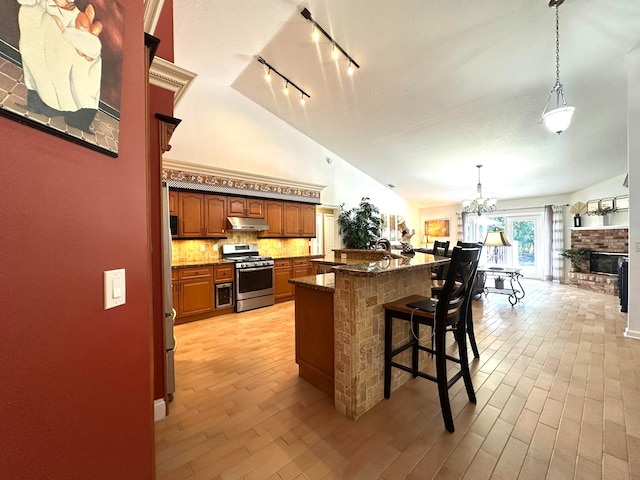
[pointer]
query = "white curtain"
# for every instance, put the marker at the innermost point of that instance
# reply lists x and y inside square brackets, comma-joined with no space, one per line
[553,238]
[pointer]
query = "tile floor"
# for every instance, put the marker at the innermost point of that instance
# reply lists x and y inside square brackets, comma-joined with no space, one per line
[557,385]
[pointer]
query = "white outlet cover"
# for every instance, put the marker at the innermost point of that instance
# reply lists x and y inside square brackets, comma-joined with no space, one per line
[115,288]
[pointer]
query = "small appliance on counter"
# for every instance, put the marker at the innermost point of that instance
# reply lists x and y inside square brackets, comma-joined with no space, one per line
[254,283]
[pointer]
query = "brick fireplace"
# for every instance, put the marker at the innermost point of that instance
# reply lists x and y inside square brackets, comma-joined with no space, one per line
[603,239]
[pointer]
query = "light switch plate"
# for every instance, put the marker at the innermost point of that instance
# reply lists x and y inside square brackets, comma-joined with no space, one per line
[115,288]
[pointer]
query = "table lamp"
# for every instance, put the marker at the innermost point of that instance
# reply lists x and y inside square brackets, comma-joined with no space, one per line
[496,239]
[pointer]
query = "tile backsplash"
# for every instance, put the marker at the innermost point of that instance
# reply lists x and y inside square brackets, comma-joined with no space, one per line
[209,250]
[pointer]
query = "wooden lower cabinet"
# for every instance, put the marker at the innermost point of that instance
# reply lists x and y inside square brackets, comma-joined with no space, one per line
[314,337]
[300,267]
[282,272]
[194,292]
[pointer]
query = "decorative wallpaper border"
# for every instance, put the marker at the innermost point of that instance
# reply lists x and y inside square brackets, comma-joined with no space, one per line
[182,178]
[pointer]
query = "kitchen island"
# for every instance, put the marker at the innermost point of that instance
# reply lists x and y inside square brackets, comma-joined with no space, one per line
[355,294]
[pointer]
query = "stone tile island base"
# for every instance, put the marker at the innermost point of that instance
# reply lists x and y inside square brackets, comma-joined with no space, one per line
[360,290]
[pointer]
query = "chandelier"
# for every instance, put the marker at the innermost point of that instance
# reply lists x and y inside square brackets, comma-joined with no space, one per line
[479,204]
[558,119]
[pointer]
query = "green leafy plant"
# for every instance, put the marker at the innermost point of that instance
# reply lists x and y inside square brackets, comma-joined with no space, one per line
[575,256]
[361,225]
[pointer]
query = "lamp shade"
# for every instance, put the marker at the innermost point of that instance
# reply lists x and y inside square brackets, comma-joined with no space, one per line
[496,239]
[558,119]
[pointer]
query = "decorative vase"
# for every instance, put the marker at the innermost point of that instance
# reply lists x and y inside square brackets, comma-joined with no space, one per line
[605,220]
[577,220]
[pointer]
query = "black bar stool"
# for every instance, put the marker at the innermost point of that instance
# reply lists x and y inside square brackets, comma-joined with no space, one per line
[447,313]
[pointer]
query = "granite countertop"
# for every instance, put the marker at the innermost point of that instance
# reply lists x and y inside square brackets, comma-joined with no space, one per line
[392,265]
[325,282]
[221,261]
[200,263]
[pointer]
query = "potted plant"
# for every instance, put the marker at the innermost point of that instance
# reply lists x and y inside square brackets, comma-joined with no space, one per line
[361,225]
[499,282]
[575,256]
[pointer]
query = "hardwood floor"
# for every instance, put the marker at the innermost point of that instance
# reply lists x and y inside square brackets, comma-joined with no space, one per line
[557,386]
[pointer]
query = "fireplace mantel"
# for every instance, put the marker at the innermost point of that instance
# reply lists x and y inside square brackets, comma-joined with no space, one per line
[601,227]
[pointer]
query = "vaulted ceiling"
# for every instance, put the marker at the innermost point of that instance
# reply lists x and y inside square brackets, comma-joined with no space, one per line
[442,85]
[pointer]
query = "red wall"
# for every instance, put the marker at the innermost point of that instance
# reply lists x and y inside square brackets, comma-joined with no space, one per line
[76,399]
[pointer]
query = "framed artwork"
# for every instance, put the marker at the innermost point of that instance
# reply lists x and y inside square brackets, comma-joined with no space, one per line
[592,207]
[438,228]
[63,59]
[607,205]
[622,203]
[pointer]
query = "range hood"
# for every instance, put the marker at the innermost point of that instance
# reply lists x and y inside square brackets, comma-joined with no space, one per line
[248,224]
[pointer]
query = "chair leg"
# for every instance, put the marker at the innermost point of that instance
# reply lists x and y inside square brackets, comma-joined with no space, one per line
[472,337]
[415,350]
[388,334]
[464,364]
[441,373]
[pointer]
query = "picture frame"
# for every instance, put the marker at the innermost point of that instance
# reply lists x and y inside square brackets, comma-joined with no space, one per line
[622,203]
[438,228]
[64,69]
[607,204]
[592,207]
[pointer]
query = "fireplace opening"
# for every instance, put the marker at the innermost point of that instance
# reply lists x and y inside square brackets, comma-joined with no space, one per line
[606,263]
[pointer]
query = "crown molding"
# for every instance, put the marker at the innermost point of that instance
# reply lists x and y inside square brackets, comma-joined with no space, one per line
[165,74]
[152,9]
[204,174]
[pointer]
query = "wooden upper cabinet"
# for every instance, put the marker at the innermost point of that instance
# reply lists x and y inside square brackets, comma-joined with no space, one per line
[308,220]
[245,207]
[299,220]
[173,202]
[292,226]
[201,215]
[215,216]
[190,214]
[236,206]
[255,207]
[274,216]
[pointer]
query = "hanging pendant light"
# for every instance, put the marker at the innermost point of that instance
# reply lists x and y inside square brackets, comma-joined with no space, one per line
[558,119]
[479,204]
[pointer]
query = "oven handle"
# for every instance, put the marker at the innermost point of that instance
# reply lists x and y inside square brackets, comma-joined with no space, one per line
[255,269]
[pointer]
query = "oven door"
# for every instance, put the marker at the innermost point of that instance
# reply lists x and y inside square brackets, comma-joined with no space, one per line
[254,282]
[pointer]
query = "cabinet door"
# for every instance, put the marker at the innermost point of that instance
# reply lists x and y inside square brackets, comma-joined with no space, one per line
[215,219]
[190,212]
[292,219]
[308,220]
[282,286]
[255,208]
[173,202]
[273,215]
[237,206]
[196,296]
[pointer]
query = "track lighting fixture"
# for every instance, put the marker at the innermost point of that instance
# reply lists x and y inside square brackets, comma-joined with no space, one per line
[287,82]
[336,47]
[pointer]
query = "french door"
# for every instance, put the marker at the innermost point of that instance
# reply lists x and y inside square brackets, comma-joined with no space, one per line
[525,234]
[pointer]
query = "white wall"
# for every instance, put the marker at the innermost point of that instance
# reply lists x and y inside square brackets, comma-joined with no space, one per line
[633,126]
[244,137]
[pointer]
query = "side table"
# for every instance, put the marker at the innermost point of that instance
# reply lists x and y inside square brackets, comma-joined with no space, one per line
[514,289]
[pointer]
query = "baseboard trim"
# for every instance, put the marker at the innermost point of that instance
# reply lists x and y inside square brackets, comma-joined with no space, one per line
[159,409]
[631,334]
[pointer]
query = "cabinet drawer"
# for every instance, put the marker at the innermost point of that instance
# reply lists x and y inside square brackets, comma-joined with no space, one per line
[222,273]
[197,272]
[301,262]
[282,263]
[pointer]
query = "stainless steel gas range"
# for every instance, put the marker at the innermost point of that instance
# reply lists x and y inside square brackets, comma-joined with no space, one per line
[253,278]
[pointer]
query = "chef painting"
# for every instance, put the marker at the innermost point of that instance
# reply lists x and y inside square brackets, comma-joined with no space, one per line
[61,59]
